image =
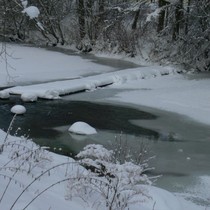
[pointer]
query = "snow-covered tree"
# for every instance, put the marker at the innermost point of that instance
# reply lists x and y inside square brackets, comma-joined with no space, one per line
[17,19]
[108,183]
[172,30]
[183,33]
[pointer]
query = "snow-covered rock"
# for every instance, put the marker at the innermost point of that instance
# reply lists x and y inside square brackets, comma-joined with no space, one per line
[18,109]
[82,128]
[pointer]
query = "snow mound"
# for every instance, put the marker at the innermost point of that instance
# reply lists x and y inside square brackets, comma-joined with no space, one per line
[31,11]
[160,199]
[82,128]
[50,94]
[29,97]
[18,109]
[4,94]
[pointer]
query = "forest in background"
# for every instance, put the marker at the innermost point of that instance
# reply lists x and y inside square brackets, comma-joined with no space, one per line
[176,31]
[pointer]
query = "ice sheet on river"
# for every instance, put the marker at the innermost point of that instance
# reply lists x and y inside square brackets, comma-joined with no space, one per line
[53,90]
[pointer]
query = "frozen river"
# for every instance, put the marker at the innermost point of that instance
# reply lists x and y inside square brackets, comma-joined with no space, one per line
[180,146]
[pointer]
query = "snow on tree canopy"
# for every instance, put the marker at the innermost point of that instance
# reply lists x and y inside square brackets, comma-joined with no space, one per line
[31,11]
[24,3]
[82,128]
[18,109]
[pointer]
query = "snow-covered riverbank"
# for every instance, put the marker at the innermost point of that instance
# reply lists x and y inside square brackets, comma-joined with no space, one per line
[29,170]
[158,87]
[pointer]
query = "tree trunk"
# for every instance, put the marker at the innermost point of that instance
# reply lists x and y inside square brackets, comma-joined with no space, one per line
[81,16]
[161,18]
[134,25]
[178,19]
[101,6]
[187,17]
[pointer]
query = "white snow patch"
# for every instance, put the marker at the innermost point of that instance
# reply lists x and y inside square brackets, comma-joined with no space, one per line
[24,3]
[201,189]
[82,128]
[40,25]
[31,65]
[153,15]
[160,199]
[174,93]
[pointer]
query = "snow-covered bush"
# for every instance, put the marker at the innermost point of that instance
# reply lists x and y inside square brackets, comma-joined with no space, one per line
[108,183]
[125,152]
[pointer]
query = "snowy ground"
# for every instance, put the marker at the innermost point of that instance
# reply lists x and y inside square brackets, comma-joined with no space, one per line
[158,87]
[26,180]
[26,65]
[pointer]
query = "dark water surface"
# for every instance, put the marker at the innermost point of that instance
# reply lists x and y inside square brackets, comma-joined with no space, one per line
[43,117]
[117,64]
